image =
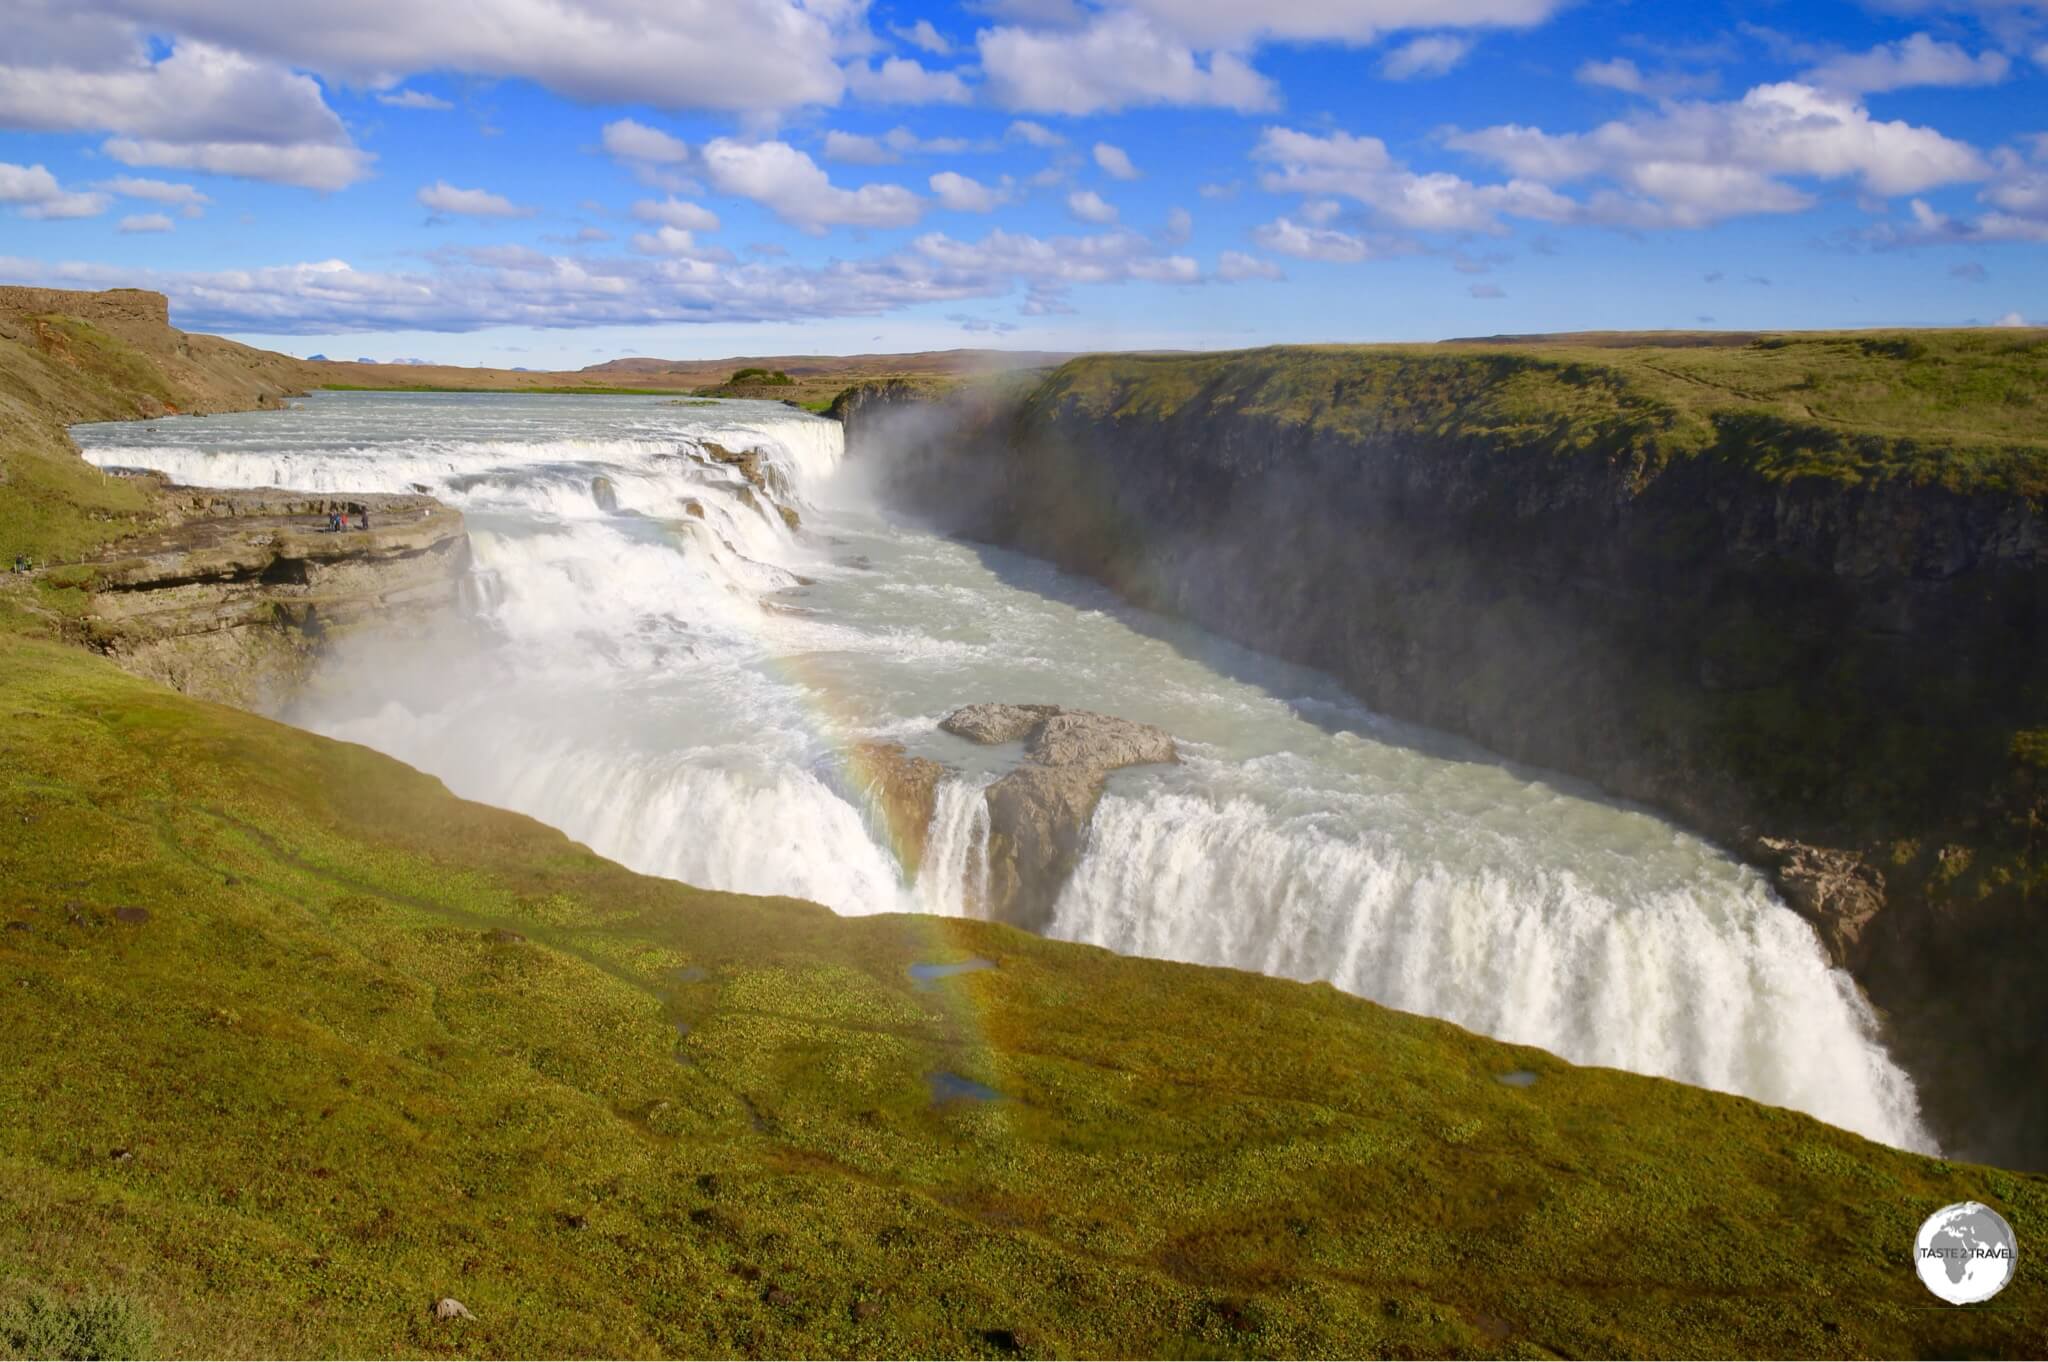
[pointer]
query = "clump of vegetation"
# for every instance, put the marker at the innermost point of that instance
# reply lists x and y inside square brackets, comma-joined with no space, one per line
[759,378]
[40,1323]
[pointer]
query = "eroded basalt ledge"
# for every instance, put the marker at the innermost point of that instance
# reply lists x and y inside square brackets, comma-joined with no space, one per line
[236,594]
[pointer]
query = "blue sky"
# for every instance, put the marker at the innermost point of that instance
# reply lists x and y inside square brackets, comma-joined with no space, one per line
[579,179]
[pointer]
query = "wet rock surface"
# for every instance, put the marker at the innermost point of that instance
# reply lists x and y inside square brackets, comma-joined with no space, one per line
[238,593]
[993,724]
[1837,891]
[1038,813]
[907,788]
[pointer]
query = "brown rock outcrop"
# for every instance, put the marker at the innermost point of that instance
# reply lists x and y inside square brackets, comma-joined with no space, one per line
[907,788]
[1837,891]
[236,598]
[1038,813]
[993,724]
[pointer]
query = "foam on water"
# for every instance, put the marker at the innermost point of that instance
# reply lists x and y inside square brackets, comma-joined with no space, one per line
[677,677]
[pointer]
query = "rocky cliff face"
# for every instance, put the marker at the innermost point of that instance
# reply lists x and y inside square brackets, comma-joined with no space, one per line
[236,597]
[1846,683]
[1038,813]
[231,596]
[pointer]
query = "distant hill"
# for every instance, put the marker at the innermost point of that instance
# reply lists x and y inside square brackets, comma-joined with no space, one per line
[817,378]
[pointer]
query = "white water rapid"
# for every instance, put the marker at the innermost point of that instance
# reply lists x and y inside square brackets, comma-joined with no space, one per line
[681,690]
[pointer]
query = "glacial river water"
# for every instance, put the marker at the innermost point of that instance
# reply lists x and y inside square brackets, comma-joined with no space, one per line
[682,694]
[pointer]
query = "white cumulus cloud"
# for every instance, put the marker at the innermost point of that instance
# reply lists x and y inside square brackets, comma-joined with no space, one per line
[1620,73]
[1433,54]
[35,193]
[200,107]
[1691,164]
[1089,206]
[963,194]
[1034,134]
[137,223]
[186,199]
[675,212]
[1115,162]
[923,36]
[791,184]
[1918,60]
[1232,266]
[901,80]
[1227,23]
[630,140]
[1120,61]
[443,197]
[1361,168]
[413,99]
[1284,236]
[736,55]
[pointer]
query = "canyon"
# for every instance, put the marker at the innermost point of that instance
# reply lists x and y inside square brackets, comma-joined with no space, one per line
[1817,643]
[296,1006]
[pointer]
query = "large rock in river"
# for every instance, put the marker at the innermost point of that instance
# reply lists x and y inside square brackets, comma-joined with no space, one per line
[1038,813]
[907,788]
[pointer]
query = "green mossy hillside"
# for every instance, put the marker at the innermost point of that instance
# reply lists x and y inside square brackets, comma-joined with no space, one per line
[100,362]
[1964,409]
[299,1043]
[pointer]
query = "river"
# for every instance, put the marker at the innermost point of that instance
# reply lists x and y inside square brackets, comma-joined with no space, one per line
[661,666]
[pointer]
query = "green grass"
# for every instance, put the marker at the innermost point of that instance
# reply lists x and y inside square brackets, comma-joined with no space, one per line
[40,1324]
[342,1092]
[1961,408]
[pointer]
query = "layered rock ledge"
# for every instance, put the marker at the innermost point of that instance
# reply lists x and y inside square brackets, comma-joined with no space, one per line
[236,596]
[1038,813]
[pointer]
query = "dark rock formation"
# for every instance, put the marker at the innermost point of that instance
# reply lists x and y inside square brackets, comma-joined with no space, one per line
[1769,648]
[1834,890]
[236,597]
[1038,813]
[993,724]
[907,789]
[760,476]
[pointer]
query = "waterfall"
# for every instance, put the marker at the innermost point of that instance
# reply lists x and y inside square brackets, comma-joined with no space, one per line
[673,671]
[954,877]
[1726,990]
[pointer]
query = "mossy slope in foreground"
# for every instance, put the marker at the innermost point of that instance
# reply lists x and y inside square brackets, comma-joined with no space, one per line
[311,1092]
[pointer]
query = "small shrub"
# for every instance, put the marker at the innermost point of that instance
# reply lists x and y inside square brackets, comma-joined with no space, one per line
[92,1325]
[2031,747]
[758,377]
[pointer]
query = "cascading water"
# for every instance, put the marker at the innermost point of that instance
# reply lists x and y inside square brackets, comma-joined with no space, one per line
[673,673]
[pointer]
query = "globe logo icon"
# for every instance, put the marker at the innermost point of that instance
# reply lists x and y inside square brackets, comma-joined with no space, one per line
[1965,1253]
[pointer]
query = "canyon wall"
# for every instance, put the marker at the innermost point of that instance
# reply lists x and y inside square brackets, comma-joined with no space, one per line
[238,595]
[230,596]
[1821,647]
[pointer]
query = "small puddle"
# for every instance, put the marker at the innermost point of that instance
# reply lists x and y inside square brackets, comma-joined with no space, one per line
[689,974]
[1516,1078]
[948,1086]
[925,975]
